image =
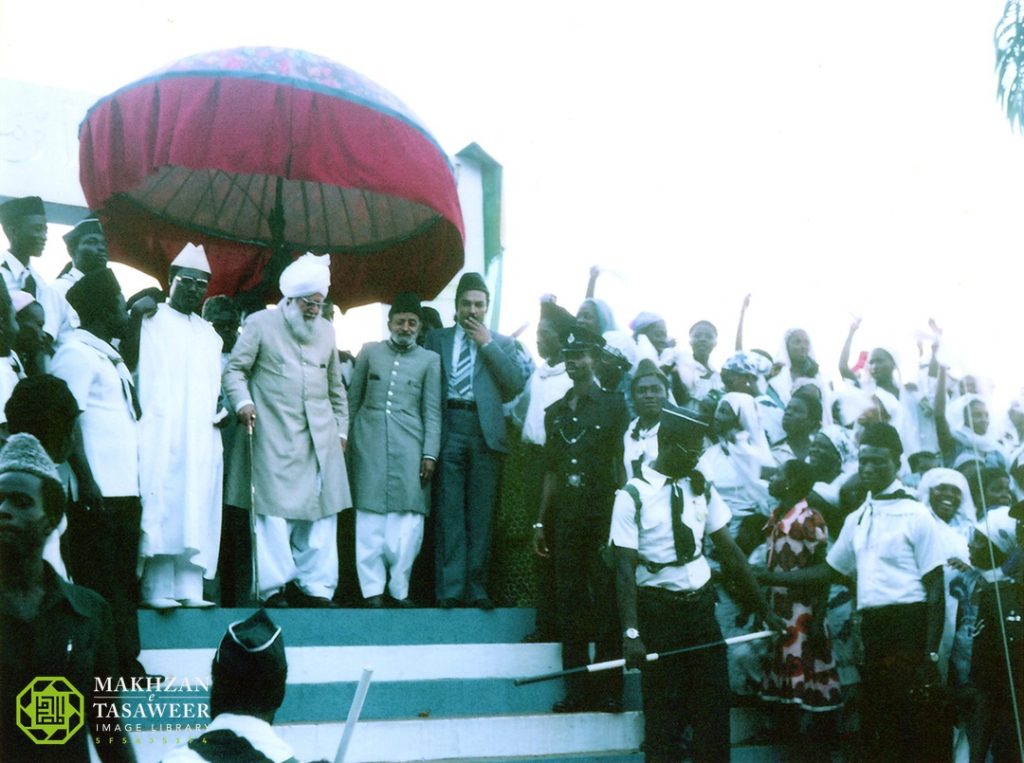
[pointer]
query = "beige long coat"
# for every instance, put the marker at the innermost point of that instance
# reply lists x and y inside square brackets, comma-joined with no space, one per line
[301,410]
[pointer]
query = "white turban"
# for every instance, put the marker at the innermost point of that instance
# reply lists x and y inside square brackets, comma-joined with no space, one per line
[309,274]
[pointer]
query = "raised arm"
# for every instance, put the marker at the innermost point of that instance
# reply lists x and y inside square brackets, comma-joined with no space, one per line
[595,271]
[844,354]
[739,326]
[947,445]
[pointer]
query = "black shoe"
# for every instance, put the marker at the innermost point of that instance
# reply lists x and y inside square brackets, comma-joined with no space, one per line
[484,603]
[405,603]
[278,601]
[375,602]
[318,602]
[447,603]
[571,704]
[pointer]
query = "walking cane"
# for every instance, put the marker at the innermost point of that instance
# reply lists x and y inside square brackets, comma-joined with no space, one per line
[353,715]
[619,663]
[252,522]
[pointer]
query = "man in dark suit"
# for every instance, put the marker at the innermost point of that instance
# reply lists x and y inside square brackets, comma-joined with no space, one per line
[479,372]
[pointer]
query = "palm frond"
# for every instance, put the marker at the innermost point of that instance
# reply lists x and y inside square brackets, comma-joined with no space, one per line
[1009,44]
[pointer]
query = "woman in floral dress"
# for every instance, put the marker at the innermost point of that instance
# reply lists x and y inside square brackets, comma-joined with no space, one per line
[800,670]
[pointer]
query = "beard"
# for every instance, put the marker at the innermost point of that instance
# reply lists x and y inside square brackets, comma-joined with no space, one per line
[403,341]
[301,327]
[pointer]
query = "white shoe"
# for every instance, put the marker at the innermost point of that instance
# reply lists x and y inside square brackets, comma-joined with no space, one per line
[196,603]
[160,604]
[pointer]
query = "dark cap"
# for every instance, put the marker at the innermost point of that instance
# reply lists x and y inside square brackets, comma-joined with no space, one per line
[580,339]
[252,646]
[406,302]
[95,290]
[881,435]
[471,282]
[12,209]
[682,425]
[647,367]
[561,319]
[86,226]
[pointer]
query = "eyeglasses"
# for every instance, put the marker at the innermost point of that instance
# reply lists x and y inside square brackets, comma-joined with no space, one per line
[192,283]
[312,302]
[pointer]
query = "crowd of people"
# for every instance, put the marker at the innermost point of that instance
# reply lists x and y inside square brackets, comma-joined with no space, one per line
[667,500]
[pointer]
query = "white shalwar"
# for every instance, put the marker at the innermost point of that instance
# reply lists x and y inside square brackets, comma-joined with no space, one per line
[299,550]
[181,461]
[387,542]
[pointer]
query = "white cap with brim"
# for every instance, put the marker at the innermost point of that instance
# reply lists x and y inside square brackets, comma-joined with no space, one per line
[309,274]
[194,257]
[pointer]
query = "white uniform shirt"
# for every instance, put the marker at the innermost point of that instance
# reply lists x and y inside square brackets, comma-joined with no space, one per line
[61,319]
[654,541]
[63,283]
[259,733]
[99,380]
[889,546]
[640,446]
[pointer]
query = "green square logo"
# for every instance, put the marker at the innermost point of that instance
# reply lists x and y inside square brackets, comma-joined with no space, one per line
[50,710]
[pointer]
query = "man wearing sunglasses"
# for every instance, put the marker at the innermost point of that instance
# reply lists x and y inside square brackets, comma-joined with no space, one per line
[284,382]
[181,461]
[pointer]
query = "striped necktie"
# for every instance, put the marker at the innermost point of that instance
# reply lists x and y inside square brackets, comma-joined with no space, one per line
[462,372]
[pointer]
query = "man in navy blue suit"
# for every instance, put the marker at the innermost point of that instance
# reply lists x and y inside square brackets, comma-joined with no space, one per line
[480,371]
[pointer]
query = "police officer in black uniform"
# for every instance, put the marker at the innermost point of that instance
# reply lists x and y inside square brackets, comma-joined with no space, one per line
[583,454]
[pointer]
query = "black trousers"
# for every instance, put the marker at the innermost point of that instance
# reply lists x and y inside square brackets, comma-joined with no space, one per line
[101,550]
[897,722]
[544,567]
[586,610]
[690,689]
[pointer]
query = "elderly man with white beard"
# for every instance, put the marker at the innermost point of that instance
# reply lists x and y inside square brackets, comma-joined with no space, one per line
[284,381]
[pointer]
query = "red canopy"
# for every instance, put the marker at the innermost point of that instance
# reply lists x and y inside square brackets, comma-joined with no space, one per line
[218,147]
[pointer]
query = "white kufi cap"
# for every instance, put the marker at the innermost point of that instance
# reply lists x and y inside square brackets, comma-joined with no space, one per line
[194,257]
[309,274]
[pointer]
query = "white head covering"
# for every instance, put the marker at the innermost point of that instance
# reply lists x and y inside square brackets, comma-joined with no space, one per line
[963,519]
[745,408]
[194,257]
[309,274]
[20,300]
[956,418]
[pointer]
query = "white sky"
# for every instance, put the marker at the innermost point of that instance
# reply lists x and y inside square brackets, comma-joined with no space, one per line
[830,158]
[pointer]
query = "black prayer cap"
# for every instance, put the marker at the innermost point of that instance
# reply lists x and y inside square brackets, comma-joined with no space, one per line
[95,290]
[560,318]
[406,302]
[87,225]
[253,646]
[580,339]
[684,426]
[471,282]
[12,209]
[880,435]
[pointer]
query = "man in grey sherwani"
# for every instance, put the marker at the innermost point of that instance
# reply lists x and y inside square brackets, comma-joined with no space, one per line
[395,436]
[284,382]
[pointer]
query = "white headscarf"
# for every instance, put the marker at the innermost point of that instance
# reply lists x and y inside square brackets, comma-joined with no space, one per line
[309,274]
[784,384]
[745,408]
[956,417]
[963,519]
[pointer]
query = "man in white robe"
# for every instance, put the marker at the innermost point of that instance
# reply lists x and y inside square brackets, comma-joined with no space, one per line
[284,382]
[180,454]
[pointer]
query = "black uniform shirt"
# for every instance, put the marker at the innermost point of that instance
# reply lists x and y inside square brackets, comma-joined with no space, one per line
[72,637]
[584,446]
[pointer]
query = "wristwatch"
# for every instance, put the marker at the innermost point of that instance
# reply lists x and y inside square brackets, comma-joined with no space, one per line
[933,656]
[631,633]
